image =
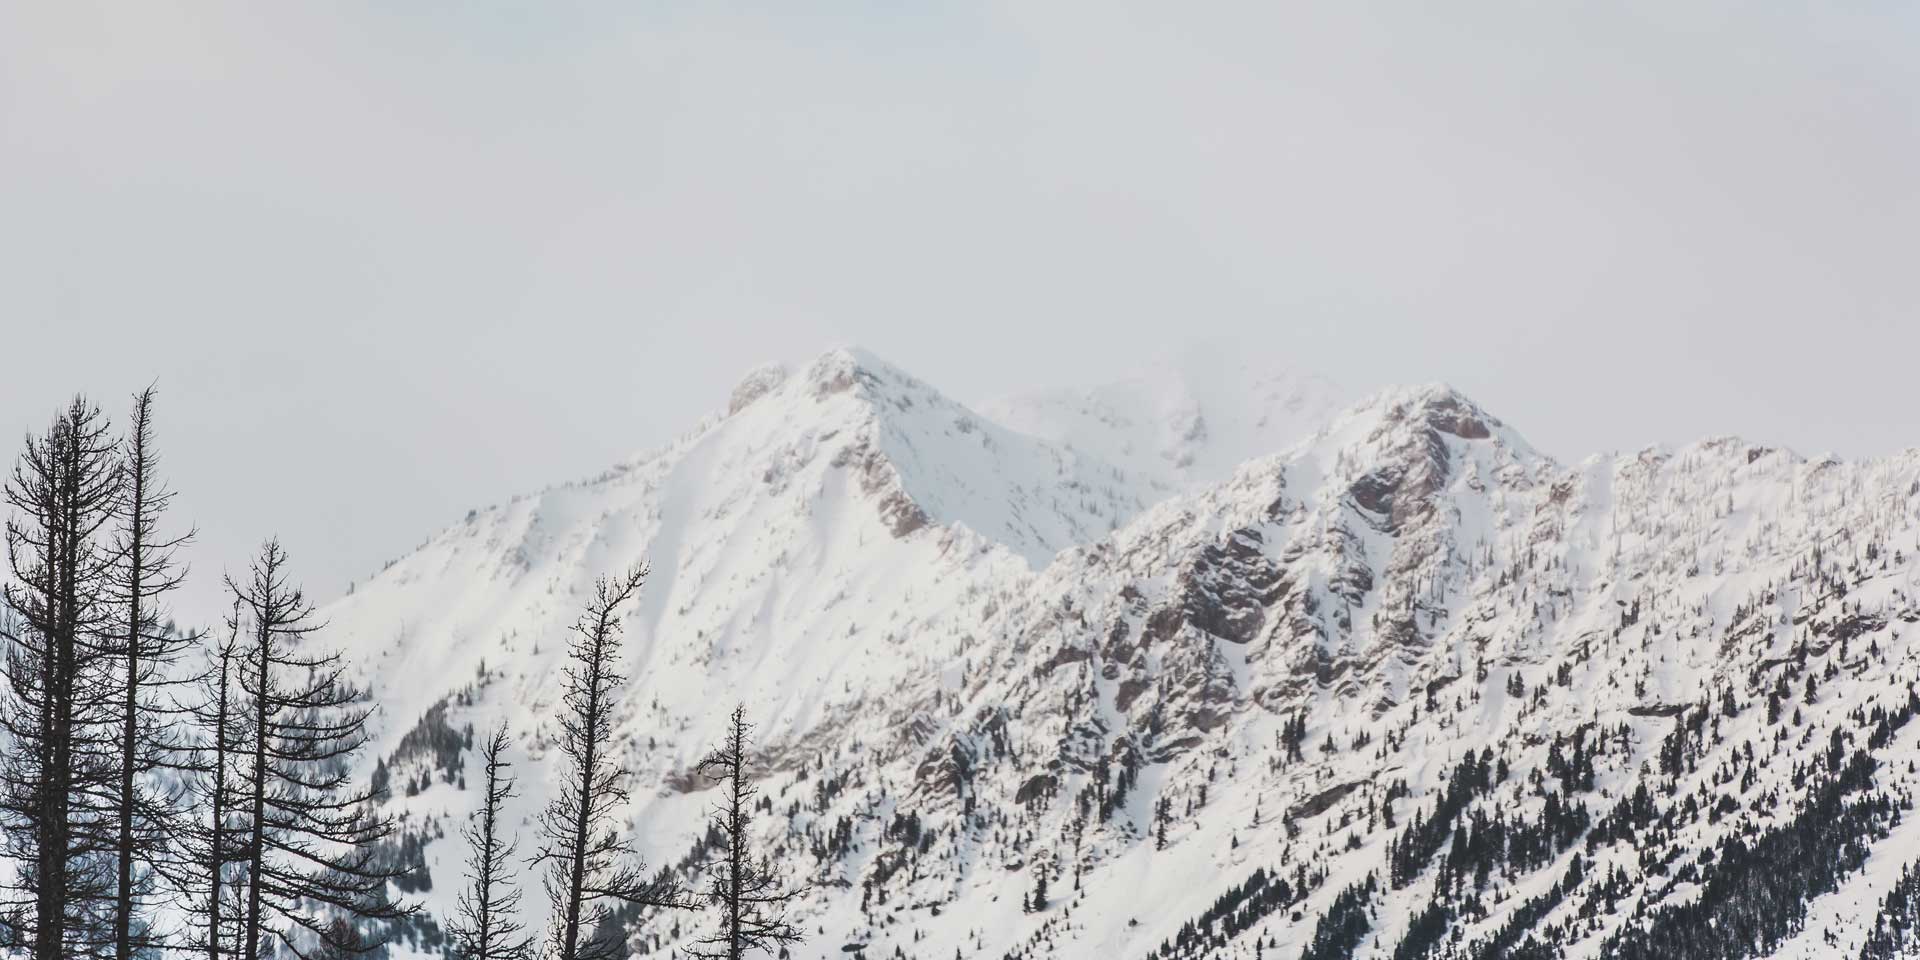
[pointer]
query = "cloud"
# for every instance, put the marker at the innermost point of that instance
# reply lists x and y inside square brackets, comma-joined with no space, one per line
[390,261]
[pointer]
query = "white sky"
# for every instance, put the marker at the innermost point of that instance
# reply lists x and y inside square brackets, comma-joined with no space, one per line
[390,261]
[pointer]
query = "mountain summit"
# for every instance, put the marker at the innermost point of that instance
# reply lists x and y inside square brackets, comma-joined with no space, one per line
[1399,686]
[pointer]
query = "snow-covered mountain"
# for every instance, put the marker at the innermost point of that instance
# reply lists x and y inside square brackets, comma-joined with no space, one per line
[1186,423]
[1399,686]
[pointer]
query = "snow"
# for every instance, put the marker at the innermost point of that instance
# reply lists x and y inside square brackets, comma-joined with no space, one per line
[889,580]
[1185,424]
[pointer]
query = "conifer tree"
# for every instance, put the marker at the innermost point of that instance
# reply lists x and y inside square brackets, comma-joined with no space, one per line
[307,839]
[146,650]
[57,769]
[206,839]
[590,864]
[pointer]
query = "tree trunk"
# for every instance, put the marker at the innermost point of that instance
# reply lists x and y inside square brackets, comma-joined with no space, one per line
[582,822]
[256,841]
[123,892]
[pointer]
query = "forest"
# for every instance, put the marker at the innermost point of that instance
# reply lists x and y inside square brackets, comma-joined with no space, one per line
[185,792]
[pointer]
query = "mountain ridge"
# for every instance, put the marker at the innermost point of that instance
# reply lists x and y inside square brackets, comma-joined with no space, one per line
[1324,634]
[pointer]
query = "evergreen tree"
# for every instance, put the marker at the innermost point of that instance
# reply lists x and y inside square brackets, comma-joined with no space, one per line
[1896,928]
[1344,925]
[748,896]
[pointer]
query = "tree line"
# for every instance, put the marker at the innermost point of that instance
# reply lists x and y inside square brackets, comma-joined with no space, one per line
[166,792]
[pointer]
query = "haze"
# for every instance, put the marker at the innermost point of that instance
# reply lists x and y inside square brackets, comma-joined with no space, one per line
[391,261]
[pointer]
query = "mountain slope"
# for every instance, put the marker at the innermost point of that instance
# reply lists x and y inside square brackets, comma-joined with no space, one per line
[1406,688]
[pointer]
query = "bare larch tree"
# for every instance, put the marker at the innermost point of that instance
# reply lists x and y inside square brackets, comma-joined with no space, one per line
[309,839]
[488,927]
[589,862]
[746,893]
[147,650]
[206,848]
[57,773]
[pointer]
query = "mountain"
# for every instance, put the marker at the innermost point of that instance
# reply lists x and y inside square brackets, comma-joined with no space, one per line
[1187,423]
[1404,687]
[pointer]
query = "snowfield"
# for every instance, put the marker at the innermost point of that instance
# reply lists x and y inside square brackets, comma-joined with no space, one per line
[1208,657]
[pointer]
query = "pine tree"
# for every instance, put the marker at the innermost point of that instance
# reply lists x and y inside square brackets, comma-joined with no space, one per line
[590,864]
[147,650]
[747,894]
[487,928]
[310,854]
[64,492]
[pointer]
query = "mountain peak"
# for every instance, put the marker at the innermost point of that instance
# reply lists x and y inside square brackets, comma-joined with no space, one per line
[839,370]
[1282,689]
[1436,409]
[843,368]
[921,458]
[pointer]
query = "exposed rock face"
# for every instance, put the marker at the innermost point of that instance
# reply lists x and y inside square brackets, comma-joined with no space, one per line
[976,654]
[762,381]
[1229,586]
[878,479]
[838,372]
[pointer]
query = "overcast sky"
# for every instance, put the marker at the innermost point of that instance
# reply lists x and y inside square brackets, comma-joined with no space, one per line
[388,261]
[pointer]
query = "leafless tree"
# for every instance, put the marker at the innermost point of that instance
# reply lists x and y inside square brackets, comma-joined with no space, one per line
[488,928]
[744,890]
[589,862]
[308,843]
[206,846]
[57,776]
[146,651]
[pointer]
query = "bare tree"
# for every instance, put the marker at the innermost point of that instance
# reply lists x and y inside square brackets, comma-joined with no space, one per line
[57,771]
[309,858]
[488,928]
[141,578]
[744,890]
[207,848]
[589,861]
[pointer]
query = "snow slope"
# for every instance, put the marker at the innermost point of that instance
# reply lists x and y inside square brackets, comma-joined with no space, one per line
[1095,651]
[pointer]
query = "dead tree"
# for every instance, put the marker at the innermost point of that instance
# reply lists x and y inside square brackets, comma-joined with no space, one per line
[744,890]
[589,862]
[147,650]
[487,927]
[57,771]
[308,839]
[207,851]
